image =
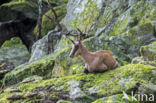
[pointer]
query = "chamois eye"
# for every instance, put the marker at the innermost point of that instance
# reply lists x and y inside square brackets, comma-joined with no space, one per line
[77,46]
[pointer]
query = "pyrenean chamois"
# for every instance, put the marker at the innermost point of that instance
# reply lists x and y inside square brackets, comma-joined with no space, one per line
[98,61]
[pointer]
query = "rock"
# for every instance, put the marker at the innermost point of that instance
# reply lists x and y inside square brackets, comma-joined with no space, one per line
[3,72]
[73,10]
[131,2]
[121,26]
[45,45]
[13,53]
[137,60]
[32,78]
[75,90]
[42,67]
[18,10]
[148,52]
[15,97]
[109,86]
[140,60]
[122,34]
[67,66]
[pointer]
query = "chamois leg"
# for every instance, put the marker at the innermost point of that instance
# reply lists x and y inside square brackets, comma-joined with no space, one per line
[86,69]
[102,68]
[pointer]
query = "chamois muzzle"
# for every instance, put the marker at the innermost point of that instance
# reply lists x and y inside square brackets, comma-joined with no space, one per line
[71,56]
[74,50]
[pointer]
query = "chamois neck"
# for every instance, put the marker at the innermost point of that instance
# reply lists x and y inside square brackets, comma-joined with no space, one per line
[84,50]
[85,54]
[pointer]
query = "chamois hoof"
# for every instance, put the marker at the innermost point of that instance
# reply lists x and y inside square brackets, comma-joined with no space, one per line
[86,71]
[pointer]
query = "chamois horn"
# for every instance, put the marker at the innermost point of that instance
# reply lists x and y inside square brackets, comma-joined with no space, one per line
[80,34]
[71,40]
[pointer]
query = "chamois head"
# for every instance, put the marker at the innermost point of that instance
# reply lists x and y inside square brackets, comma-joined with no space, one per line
[75,49]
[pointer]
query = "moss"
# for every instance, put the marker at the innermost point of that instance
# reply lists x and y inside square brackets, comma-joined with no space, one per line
[148,52]
[63,101]
[57,1]
[120,27]
[137,15]
[28,8]
[13,52]
[86,19]
[41,67]
[145,26]
[14,42]
[65,66]
[48,24]
[108,83]
[7,13]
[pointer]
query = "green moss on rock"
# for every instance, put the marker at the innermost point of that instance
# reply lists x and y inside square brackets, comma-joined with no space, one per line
[149,51]
[41,67]
[125,78]
[13,52]
[86,19]
[66,65]
[14,42]
[25,8]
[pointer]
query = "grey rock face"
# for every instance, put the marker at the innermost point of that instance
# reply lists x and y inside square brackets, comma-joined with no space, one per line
[45,45]
[75,90]
[14,53]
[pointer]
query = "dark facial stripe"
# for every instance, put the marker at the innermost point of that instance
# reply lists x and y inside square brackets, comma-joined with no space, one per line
[75,49]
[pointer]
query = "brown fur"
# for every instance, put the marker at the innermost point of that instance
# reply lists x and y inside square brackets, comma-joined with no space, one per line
[98,61]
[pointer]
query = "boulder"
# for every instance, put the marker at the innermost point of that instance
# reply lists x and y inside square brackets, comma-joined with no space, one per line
[45,45]
[42,68]
[13,53]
